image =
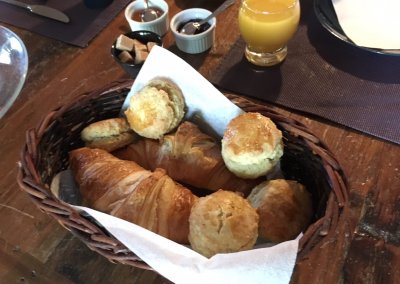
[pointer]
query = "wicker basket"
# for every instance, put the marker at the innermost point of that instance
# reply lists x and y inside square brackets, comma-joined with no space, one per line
[45,153]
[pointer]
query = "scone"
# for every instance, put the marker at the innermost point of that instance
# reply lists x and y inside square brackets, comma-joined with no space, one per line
[222,222]
[252,145]
[156,109]
[109,134]
[284,207]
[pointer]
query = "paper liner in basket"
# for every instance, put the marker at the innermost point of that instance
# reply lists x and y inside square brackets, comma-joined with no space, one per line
[183,265]
[180,264]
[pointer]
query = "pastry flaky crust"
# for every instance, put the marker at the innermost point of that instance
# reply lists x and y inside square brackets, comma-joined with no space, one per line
[252,145]
[222,222]
[284,207]
[126,190]
[189,156]
[109,134]
[156,109]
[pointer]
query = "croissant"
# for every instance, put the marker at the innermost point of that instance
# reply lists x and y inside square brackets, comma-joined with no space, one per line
[189,156]
[126,190]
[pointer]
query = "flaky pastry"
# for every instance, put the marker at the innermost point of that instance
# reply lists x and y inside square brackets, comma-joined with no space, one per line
[222,222]
[156,109]
[284,207]
[252,145]
[108,134]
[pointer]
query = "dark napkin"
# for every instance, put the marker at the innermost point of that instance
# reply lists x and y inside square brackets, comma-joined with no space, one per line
[85,23]
[323,76]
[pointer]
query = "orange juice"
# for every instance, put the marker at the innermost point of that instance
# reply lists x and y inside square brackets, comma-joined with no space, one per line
[267,25]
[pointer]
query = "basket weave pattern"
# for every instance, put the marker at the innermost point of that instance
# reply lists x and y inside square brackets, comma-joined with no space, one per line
[46,153]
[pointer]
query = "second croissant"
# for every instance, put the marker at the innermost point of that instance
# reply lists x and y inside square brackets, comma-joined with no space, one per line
[189,156]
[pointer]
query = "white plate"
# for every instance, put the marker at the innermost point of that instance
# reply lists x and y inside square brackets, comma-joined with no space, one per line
[327,17]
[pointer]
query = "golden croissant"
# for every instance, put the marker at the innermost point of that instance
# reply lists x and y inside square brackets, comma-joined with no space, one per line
[126,190]
[189,156]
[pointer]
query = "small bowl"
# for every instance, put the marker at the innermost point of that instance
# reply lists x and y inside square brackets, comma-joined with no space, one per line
[197,43]
[142,36]
[159,26]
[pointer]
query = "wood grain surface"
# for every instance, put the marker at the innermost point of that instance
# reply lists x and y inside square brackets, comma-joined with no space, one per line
[34,248]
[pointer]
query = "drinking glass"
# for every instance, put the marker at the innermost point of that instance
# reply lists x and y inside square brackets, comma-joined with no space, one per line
[13,68]
[266,26]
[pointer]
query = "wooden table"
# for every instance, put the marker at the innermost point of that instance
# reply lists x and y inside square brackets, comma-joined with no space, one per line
[34,248]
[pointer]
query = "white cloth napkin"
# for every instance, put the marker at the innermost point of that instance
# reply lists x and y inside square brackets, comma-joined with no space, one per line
[370,23]
[180,264]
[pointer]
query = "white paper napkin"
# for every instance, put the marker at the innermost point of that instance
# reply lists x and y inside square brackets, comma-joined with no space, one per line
[179,264]
[370,23]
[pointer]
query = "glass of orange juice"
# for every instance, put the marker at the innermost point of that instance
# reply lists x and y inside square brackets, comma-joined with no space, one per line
[266,26]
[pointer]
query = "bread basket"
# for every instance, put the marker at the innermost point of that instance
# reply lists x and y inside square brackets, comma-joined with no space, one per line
[45,153]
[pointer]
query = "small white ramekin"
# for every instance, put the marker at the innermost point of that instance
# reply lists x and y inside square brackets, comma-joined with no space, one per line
[193,43]
[159,26]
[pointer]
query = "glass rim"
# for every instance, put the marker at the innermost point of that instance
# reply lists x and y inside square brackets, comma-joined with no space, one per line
[295,2]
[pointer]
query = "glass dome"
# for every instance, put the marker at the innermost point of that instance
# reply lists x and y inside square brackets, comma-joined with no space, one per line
[13,68]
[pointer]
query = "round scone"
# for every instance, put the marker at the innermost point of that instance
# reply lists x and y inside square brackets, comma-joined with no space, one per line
[284,207]
[156,109]
[222,222]
[109,134]
[252,145]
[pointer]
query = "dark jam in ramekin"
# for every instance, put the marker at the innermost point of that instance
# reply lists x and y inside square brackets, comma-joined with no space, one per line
[136,16]
[202,28]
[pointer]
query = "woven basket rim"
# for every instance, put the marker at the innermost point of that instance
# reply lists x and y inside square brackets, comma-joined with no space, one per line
[97,239]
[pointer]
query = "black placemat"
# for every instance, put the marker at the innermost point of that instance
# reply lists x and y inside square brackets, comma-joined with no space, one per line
[323,76]
[85,23]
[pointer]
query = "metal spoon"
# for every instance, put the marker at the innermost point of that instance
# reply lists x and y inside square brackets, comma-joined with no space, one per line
[191,27]
[148,14]
[41,10]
